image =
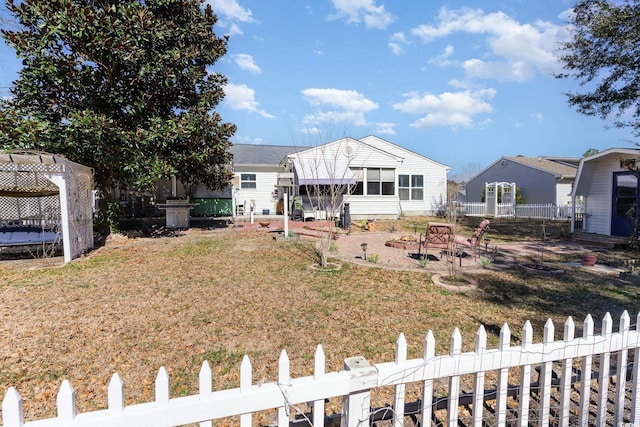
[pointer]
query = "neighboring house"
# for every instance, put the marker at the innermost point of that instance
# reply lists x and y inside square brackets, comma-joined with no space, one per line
[382,180]
[541,180]
[259,177]
[610,191]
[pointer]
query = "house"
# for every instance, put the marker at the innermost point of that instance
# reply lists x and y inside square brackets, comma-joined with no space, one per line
[540,180]
[378,179]
[608,183]
[259,178]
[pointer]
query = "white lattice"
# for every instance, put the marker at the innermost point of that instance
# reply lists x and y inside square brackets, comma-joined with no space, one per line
[48,191]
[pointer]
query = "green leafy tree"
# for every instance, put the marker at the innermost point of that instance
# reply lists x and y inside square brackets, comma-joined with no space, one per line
[590,152]
[120,86]
[602,55]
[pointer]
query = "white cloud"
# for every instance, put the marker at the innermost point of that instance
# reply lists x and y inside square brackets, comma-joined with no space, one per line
[396,49]
[356,11]
[516,51]
[242,97]
[230,9]
[538,117]
[246,62]
[230,13]
[338,106]
[519,71]
[443,60]
[385,128]
[396,41]
[452,109]
[237,139]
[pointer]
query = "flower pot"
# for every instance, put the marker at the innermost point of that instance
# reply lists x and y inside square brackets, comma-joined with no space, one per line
[589,260]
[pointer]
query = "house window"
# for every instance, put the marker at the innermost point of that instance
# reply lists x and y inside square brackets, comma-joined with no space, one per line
[248,180]
[381,181]
[411,187]
[358,188]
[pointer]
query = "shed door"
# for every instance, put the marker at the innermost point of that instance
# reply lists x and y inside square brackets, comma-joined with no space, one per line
[625,200]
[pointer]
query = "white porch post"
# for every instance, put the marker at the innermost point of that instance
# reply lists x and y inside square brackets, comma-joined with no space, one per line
[286,215]
[61,183]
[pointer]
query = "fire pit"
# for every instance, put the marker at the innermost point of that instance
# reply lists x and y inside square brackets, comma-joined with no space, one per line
[403,242]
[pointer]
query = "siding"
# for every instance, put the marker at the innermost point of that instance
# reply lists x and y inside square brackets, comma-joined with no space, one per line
[536,186]
[435,178]
[364,207]
[563,193]
[265,184]
[598,201]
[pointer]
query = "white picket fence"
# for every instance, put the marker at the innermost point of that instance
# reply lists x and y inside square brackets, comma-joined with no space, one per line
[543,211]
[549,400]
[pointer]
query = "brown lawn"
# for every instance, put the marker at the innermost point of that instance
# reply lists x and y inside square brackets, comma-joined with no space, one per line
[137,304]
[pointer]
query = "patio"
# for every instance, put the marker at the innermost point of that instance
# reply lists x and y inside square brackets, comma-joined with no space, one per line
[508,255]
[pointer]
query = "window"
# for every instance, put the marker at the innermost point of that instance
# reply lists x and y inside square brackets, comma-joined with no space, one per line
[378,181]
[411,187]
[381,181]
[248,180]
[358,189]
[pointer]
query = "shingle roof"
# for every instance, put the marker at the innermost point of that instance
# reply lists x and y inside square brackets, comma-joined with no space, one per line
[556,168]
[252,154]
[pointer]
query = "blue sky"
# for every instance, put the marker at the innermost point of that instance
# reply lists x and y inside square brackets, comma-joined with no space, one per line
[462,83]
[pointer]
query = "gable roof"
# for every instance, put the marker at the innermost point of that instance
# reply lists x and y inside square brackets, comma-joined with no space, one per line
[544,164]
[254,154]
[367,140]
[332,148]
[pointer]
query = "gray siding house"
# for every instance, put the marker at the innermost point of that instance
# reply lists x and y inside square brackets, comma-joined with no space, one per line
[541,180]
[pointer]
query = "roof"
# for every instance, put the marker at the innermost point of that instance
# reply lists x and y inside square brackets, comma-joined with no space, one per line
[253,154]
[554,167]
[365,140]
[585,174]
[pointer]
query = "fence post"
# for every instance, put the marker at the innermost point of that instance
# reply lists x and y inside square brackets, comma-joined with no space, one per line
[356,406]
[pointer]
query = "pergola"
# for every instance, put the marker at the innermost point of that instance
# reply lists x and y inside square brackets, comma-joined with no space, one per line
[47,192]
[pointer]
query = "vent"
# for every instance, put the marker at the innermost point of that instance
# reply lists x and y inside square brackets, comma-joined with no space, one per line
[348,151]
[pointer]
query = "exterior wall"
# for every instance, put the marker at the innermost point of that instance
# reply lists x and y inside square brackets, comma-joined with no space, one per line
[598,201]
[563,193]
[536,186]
[379,207]
[434,173]
[262,194]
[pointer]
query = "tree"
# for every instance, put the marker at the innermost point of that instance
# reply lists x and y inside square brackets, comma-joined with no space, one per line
[602,55]
[122,87]
[590,152]
[326,173]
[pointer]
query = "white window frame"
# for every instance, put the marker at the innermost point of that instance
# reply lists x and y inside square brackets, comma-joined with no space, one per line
[411,188]
[246,182]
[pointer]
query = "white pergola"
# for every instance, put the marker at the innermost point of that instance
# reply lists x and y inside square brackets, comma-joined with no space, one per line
[48,191]
[507,207]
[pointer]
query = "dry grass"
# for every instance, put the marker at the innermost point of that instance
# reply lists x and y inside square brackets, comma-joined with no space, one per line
[138,304]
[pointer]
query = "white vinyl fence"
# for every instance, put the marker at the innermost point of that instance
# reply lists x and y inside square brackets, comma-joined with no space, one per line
[544,211]
[586,380]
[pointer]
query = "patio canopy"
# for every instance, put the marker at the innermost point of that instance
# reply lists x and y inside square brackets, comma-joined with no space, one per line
[318,171]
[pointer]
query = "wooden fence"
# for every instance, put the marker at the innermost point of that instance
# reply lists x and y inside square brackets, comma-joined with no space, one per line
[586,380]
[544,211]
